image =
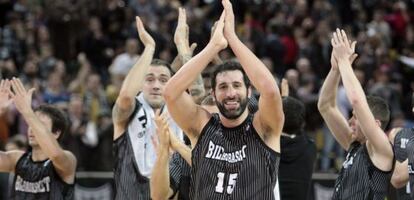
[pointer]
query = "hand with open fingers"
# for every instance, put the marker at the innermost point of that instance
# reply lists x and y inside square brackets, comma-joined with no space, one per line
[5,99]
[218,39]
[229,26]
[342,48]
[163,130]
[22,99]
[181,35]
[144,36]
[285,88]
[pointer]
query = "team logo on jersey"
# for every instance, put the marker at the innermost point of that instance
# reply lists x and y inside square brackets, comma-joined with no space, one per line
[32,187]
[349,161]
[410,169]
[404,142]
[218,152]
[143,121]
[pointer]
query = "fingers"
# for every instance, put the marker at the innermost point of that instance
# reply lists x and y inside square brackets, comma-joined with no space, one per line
[353,45]
[353,57]
[335,39]
[227,5]
[193,46]
[17,86]
[140,25]
[345,38]
[220,22]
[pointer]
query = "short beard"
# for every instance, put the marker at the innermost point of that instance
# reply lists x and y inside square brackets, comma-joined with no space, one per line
[233,114]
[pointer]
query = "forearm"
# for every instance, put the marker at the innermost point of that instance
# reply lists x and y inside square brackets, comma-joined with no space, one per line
[192,69]
[400,175]
[44,137]
[183,150]
[353,88]
[257,72]
[135,78]
[160,178]
[327,96]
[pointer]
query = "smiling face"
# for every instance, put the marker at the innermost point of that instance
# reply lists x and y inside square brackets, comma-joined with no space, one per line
[231,93]
[154,85]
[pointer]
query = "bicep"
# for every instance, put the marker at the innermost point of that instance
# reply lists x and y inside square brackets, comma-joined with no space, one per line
[188,115]
[65,166]
[338,126]
[8,160]
[270,113]
[122,110]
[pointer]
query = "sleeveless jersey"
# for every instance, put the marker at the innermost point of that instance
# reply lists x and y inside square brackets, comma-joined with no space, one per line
[410,155]
[39,180]
[359,178]
[232,163]
[400,149]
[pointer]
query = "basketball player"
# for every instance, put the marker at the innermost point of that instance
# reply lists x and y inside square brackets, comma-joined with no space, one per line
[400,138]
[367,170]
[236,154]
[46,171]
[133,122]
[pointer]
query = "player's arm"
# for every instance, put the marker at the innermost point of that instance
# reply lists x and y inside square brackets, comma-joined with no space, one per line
[377,140]
[400,175]
[329,110]
[8,160]
[63,161]
[178,146]
[160,178]
[185,112]
[125,103]
[270,114]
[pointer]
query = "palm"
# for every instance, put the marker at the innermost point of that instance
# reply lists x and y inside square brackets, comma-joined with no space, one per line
[21,98]
[5,99]
[144,36]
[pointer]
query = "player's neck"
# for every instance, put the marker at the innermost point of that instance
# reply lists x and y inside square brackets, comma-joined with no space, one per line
[38,154]
[230,123]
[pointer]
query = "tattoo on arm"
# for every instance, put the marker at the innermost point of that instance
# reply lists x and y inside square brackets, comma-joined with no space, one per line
[119,114]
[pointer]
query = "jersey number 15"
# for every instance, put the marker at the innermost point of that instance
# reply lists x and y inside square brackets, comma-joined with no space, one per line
[220,183]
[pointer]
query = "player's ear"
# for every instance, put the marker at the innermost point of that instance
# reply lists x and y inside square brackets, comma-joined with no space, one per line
[378,122]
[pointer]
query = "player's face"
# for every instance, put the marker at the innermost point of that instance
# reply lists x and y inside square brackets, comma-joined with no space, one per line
[231,94]
[154,85]
[47,122]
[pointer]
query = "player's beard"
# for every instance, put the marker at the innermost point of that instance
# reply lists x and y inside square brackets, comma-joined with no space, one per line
[232,114]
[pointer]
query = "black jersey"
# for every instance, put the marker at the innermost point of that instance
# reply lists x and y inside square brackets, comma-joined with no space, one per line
[39,180]
[129,183]
[128,180]
[410,156]
[400,149]
[359,178]
[232,163]
[180,176]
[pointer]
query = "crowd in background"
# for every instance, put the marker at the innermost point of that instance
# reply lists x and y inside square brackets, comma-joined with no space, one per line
[76,54]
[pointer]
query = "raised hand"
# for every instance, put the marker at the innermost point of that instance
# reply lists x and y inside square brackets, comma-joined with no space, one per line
[284,88]
[350,48]
[5,99]
[144,36]
[181,35]
[218,39]
[163,130]
[22,99]
[229,19]
[342,48]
